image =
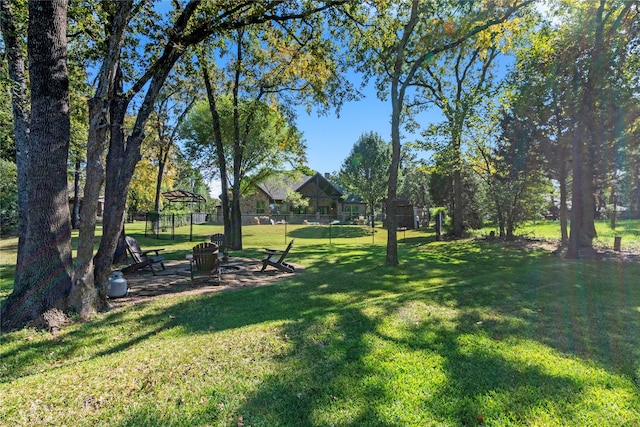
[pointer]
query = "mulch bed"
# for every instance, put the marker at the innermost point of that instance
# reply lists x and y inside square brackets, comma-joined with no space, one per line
[237,273]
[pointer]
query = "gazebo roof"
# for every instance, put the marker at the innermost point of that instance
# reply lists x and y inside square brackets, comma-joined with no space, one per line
[183,196]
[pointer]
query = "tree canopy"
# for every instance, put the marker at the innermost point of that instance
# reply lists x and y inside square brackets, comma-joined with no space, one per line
[365,171]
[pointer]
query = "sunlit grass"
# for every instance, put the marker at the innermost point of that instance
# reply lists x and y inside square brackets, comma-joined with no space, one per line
[462,333]
[629,230]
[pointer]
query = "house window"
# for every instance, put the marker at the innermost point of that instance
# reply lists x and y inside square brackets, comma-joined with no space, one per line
[351,210]
[260,206]
[301,210]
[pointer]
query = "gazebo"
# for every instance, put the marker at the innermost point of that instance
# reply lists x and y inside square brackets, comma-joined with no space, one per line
[158,222]
[184,196]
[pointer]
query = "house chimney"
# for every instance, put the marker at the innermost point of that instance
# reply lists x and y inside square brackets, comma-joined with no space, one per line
[327,175]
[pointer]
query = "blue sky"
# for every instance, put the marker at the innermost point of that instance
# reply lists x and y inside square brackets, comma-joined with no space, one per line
[329,138]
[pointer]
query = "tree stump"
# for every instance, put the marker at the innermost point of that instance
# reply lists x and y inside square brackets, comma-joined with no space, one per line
[617,243]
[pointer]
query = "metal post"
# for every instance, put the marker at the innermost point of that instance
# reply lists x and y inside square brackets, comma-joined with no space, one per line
[191,228]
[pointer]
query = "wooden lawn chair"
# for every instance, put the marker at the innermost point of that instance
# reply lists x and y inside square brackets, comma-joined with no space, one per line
[205,260]
[273,260]
[141,259]
[219,240]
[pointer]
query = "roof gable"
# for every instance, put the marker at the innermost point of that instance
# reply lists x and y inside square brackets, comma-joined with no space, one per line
[276,188]
[329,188]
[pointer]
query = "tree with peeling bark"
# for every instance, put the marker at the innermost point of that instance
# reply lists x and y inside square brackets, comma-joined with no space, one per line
[398,40]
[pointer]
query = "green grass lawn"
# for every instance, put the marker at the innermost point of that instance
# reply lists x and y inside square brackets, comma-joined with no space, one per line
[629,230]
[462,333]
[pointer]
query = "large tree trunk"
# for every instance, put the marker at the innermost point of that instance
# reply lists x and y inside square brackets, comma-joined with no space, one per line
[575,239]
[122,157]
[585,142]
[583,229]
[43,277]
[391,220]
[238,151]
[20,104]
[84,296]
[124,153]
[116,188]
[222,162]
[235,236]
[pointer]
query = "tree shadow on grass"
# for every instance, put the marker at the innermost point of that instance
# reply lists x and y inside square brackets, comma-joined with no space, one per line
[334,317]
[333,372]
[333,231]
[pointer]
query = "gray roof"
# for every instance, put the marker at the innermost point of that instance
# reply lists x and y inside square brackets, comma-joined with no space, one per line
[276,188]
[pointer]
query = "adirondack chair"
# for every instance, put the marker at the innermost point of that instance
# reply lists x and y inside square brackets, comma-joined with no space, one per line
[272,259]
[141,259]
[218,239]
[205,260]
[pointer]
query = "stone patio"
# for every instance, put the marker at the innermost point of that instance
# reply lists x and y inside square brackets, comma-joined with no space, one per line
[237,273]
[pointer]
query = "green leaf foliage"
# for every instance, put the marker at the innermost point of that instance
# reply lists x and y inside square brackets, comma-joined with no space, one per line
[8,195]
[365,171]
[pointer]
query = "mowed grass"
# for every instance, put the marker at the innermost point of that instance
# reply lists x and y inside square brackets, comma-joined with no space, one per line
[462,333]
[628,230]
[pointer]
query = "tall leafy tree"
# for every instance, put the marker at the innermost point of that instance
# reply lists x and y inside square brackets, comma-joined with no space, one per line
[191,24]
[269,143]
[174,103]
[399,40]
[278,64]
[548,90]
[365,171]
[600,35]
[457,82]
[514,172]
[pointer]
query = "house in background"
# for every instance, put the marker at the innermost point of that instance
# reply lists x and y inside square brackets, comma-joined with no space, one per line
[327,201]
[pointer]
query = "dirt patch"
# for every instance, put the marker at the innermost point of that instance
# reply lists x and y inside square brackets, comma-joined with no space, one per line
[237,273]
